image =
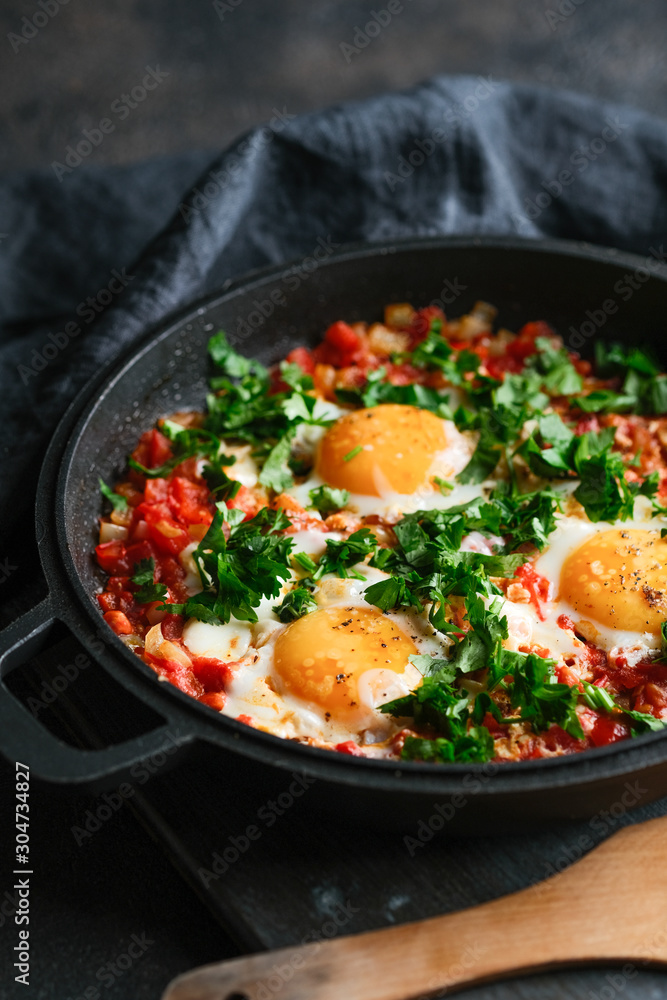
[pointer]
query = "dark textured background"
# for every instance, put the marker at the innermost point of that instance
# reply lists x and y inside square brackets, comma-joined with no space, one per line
[227,75]
[224,77]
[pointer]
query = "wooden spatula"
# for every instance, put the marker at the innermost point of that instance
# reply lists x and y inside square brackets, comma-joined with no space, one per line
[609,907]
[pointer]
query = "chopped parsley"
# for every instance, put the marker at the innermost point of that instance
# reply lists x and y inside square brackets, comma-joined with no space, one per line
[243,407]
[554,451]
[239,563]
[475,746]
[377,390]
[435,353]
[187,442]
[295,604]
[643,388]
[117,500]
[221,486]
[428,566]
[327,500]
[144,577]
[341,557]
[641,722]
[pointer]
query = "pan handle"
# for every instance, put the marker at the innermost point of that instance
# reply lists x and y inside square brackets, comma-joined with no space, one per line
[23,738]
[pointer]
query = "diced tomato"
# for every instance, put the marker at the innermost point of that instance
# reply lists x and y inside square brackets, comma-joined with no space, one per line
[405,374]
[112,557]
[567,675]
[117,584]
[586,424]
[340,345]
[498,367]
[170,571]
[523,344]
[172,626]
[341,336]
[119,622]
[651,698]
[215,700]
[108,602]
[302,357]
[182,678]
[537,586]
[139,551]
[556,739]
[188,469]
[608,730]
[177,674]
[595,658]
[189,501]
[565,622]
[421,323]
[212,673]
[245,501]
[300,518]
[494,727]
[163,530]
[153,450]
[126,601]
[246,720]
[156,490]
[351,748]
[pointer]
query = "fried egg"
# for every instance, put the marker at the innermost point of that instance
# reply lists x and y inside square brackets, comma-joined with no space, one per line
[388,457]
[324,675]
[609,580]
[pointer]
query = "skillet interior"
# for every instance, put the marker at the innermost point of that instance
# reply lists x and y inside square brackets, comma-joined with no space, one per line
[565,284]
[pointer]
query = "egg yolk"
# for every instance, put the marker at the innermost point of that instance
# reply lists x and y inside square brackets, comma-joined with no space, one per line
[321,656]
[618,578]
[387,448]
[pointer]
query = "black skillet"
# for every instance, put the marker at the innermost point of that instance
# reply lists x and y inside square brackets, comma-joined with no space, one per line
[583,291]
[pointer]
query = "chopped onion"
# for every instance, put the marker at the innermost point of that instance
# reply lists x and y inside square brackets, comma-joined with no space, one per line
[163,649]
[112,532]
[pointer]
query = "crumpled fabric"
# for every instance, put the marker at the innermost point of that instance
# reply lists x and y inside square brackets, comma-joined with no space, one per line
[92,258]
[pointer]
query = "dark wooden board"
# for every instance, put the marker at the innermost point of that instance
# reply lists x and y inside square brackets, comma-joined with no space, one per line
[306,875]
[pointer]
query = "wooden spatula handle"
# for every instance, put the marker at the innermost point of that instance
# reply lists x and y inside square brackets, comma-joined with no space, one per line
[609,907]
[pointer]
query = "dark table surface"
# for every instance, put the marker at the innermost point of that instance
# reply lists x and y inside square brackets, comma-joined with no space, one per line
[227,69]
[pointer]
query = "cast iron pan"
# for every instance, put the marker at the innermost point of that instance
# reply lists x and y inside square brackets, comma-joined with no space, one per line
[583,291]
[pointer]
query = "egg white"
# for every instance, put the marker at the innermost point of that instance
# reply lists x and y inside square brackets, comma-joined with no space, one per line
[256,689]
[571,532]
